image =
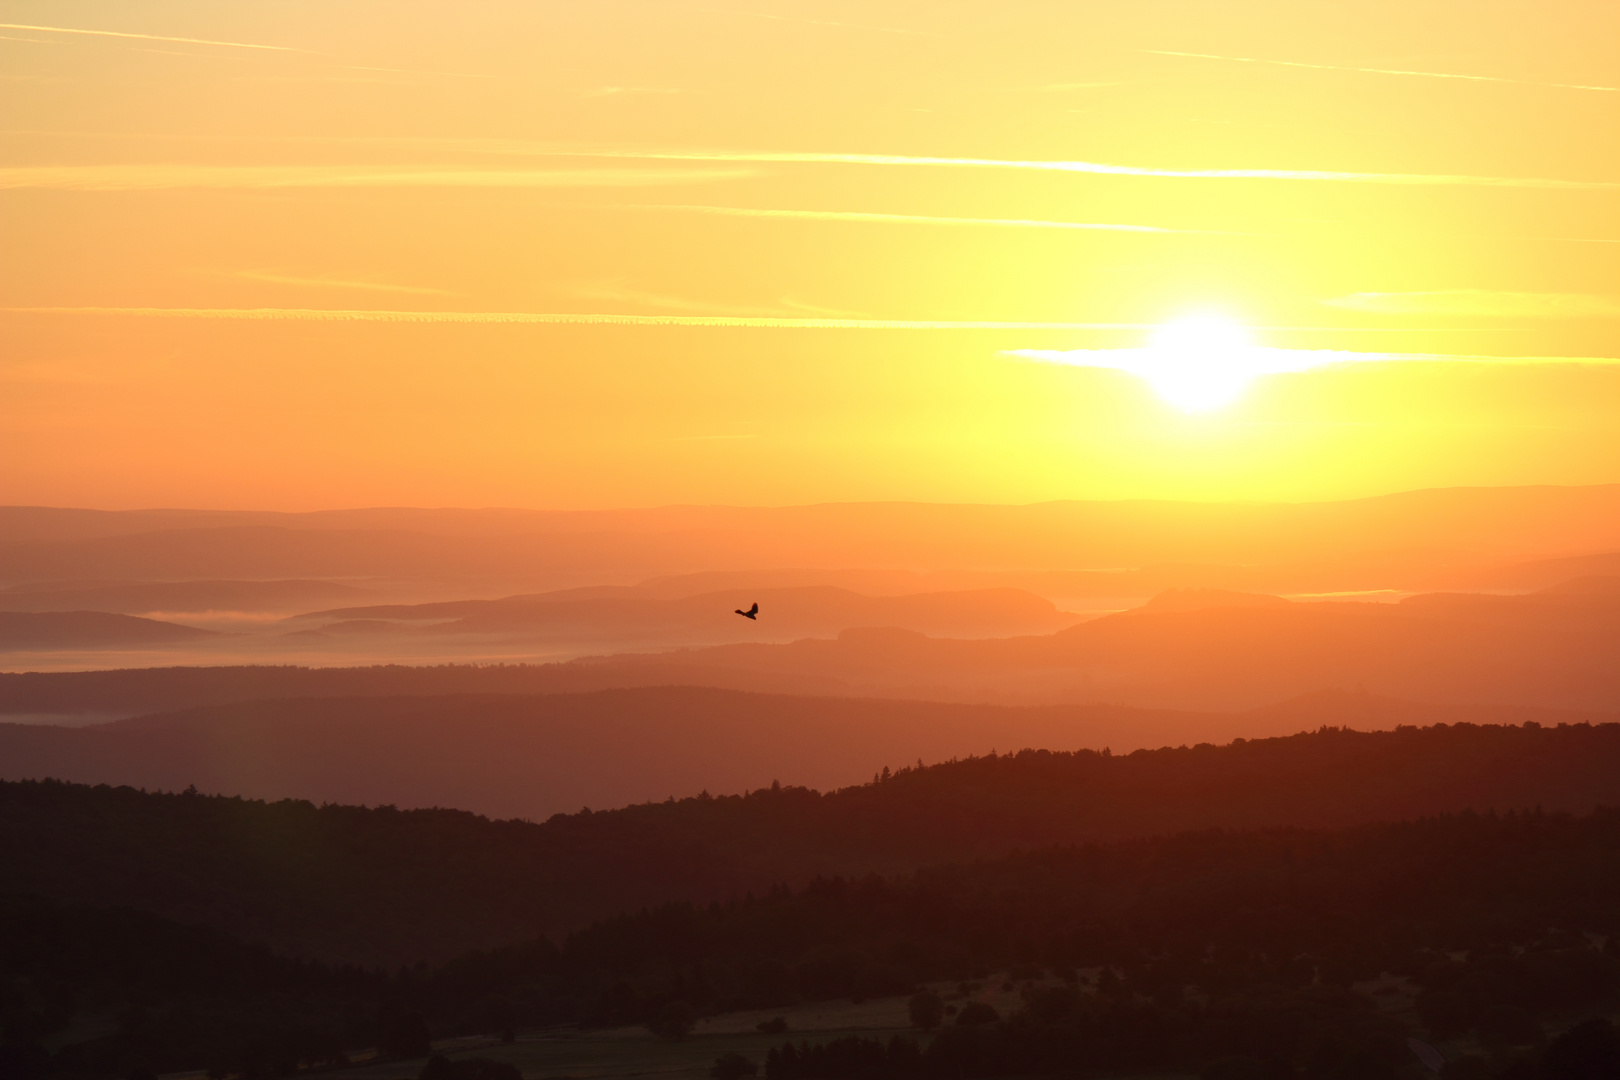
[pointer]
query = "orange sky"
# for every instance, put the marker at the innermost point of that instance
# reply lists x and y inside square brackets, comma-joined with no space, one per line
[1439,181]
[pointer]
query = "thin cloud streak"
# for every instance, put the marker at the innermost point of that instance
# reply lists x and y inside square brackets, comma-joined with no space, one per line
[821,22]
[273,278]
[616,292]
[1482,302]
[763,157]
[920,219]
[145,37]
[1056,88]
[562,318]
[1089,167]
[1384,71]
[1143,362]
[618,91]
[160,177]
[417,71]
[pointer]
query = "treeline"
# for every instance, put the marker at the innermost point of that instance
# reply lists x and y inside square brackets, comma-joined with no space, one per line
[383,886]
[1068,1041]
[154,995]
[1252,949]
[1214,913]
[1170,953]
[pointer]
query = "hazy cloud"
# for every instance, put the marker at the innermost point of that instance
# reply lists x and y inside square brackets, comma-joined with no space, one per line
[615,91]
[521,317]
[274,278]
[1057,88]
[1482,302]
[1383,71]
[1263,361]
[915,219]
[156,177]
[144,37]
[821,22]
[418,71]
[1090,167]
[530,148]
[618,292]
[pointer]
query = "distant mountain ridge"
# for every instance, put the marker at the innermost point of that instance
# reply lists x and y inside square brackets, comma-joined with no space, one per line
[1400,540]
[623,616]
[146,597]
[1548,650]
[1203,651]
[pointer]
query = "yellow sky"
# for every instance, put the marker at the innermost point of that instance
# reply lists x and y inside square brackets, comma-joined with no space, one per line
[867,193]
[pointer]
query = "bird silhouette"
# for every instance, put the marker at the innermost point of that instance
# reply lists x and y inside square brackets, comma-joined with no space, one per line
[751,613]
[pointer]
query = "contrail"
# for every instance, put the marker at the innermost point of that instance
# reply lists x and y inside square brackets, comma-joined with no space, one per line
[1384,71]
[144,37]
[564,318]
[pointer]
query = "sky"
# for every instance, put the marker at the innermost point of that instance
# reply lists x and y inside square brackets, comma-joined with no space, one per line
[341,253]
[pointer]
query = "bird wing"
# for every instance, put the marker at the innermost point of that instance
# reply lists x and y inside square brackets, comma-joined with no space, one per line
[754,610]
[1427,1054]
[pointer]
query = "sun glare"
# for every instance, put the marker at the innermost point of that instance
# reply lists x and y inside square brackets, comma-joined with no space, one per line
[1200,363]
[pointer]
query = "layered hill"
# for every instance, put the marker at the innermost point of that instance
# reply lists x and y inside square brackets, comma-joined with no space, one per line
[25,630]
[148,597]
[531,756]
[626,616]
[1550,649]
[385,885]
[1199,650]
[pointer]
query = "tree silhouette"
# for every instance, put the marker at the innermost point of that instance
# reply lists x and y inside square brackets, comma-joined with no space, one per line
[927,1010]
[732,1066]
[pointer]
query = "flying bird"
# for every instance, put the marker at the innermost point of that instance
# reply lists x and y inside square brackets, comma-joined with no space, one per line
[751,613]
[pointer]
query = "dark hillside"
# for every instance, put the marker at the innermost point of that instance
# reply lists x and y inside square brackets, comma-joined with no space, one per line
[1215,909]
[532,756]
[383,885]
[1318,951]
[535,755]
[1292,947]
[123,992]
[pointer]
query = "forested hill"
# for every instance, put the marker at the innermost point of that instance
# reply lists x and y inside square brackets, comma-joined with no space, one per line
[1315,950]
[344,883]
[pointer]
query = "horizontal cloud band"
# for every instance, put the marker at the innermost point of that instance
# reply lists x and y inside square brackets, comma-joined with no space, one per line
[1482,302]
[520,147]
[1148,363]
[143,37]
[563,318]
[1089,167]
[1386,71]
[858,217]
[161,177]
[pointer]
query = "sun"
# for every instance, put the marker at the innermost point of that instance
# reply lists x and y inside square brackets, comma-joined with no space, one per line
[1200,363]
